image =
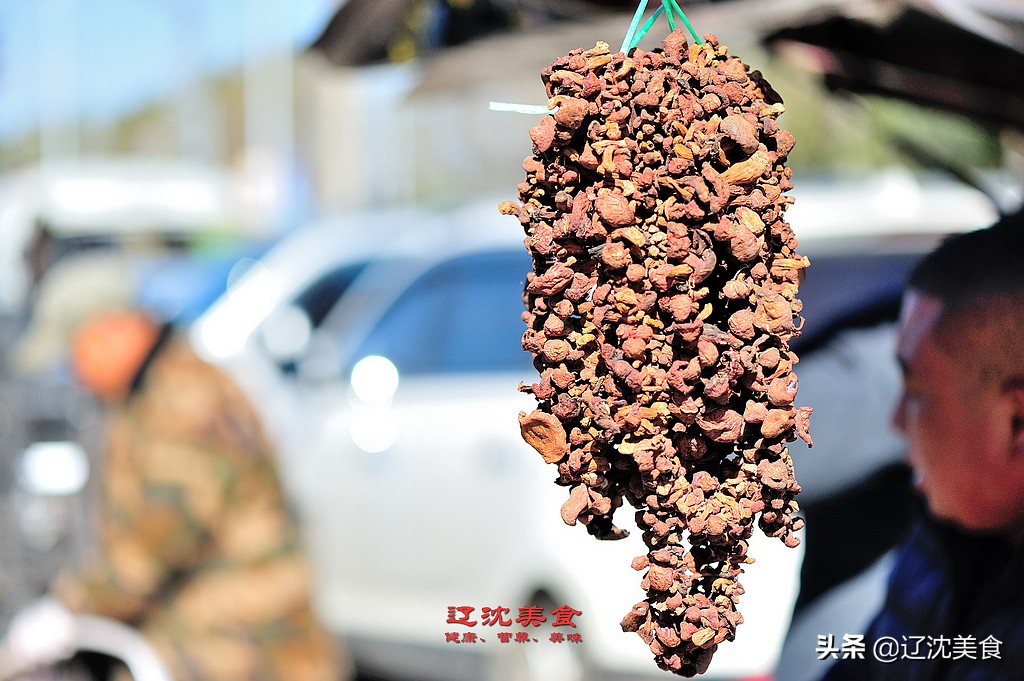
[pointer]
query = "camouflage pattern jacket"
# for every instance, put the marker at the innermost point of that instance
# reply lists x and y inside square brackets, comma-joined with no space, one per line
[196,547]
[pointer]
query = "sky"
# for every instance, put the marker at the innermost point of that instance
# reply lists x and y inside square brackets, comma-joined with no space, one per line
[99,59]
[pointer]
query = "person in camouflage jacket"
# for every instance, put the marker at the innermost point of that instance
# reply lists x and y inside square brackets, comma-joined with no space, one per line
[196,547]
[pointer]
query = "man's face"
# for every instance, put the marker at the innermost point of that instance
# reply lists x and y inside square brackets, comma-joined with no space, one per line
[959,428]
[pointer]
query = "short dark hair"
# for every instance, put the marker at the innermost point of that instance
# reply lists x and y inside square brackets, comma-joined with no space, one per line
[968,268]
[979,279]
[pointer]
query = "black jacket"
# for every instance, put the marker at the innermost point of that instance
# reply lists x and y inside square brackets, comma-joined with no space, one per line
[954,611]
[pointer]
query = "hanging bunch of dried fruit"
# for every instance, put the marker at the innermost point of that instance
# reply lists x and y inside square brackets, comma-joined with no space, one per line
[659,313]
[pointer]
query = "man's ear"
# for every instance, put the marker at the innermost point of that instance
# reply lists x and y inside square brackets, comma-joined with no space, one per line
[1014,391]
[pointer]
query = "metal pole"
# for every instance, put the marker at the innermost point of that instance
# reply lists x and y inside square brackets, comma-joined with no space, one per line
[59,107]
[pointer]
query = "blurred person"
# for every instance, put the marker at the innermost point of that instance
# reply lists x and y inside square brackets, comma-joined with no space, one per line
[954,607]
[196,548]
[40,252]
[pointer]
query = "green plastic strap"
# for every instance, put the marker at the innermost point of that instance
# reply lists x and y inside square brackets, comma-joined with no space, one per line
[696,36]
[669,14]
[646,27]
[628,41]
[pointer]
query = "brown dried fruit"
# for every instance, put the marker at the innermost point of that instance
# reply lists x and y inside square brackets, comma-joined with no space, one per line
[577,502]
[615,255]
[544,433]
[721,425]
[782,390]
[741,131]
[543,134]
[571,111]
[614,209]
[660,578]
[552,281]
[749,170]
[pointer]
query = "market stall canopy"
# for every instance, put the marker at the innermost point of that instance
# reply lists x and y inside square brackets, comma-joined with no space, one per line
[963,56]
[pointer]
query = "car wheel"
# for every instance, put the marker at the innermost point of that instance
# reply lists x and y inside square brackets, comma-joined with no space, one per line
[540,662]
[540,659]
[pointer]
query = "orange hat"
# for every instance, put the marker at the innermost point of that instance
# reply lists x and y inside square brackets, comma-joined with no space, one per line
[108,350]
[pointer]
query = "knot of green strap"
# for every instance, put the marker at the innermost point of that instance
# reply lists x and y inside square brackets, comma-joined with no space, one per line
[669,8]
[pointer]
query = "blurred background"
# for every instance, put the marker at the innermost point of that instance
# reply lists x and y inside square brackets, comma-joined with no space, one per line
[310,184]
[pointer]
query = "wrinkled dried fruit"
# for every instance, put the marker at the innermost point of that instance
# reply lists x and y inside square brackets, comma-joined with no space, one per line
[660,308]
[544,432]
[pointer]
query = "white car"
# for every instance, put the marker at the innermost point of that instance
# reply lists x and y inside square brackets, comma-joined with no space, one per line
[432,527]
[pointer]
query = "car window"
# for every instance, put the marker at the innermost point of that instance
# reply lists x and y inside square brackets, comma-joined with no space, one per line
[317,300]
[850,291]
[287,334]
[461,316]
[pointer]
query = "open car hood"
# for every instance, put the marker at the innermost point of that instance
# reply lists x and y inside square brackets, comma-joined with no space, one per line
[963,56]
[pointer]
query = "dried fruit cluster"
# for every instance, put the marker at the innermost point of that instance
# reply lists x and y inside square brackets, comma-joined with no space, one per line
[659,314]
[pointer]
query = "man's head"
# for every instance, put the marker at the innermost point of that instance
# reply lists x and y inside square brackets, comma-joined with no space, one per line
[86,312]
[107,351]
[961,346]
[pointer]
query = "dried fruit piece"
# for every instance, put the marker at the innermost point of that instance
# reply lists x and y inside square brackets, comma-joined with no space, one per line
[544,432]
